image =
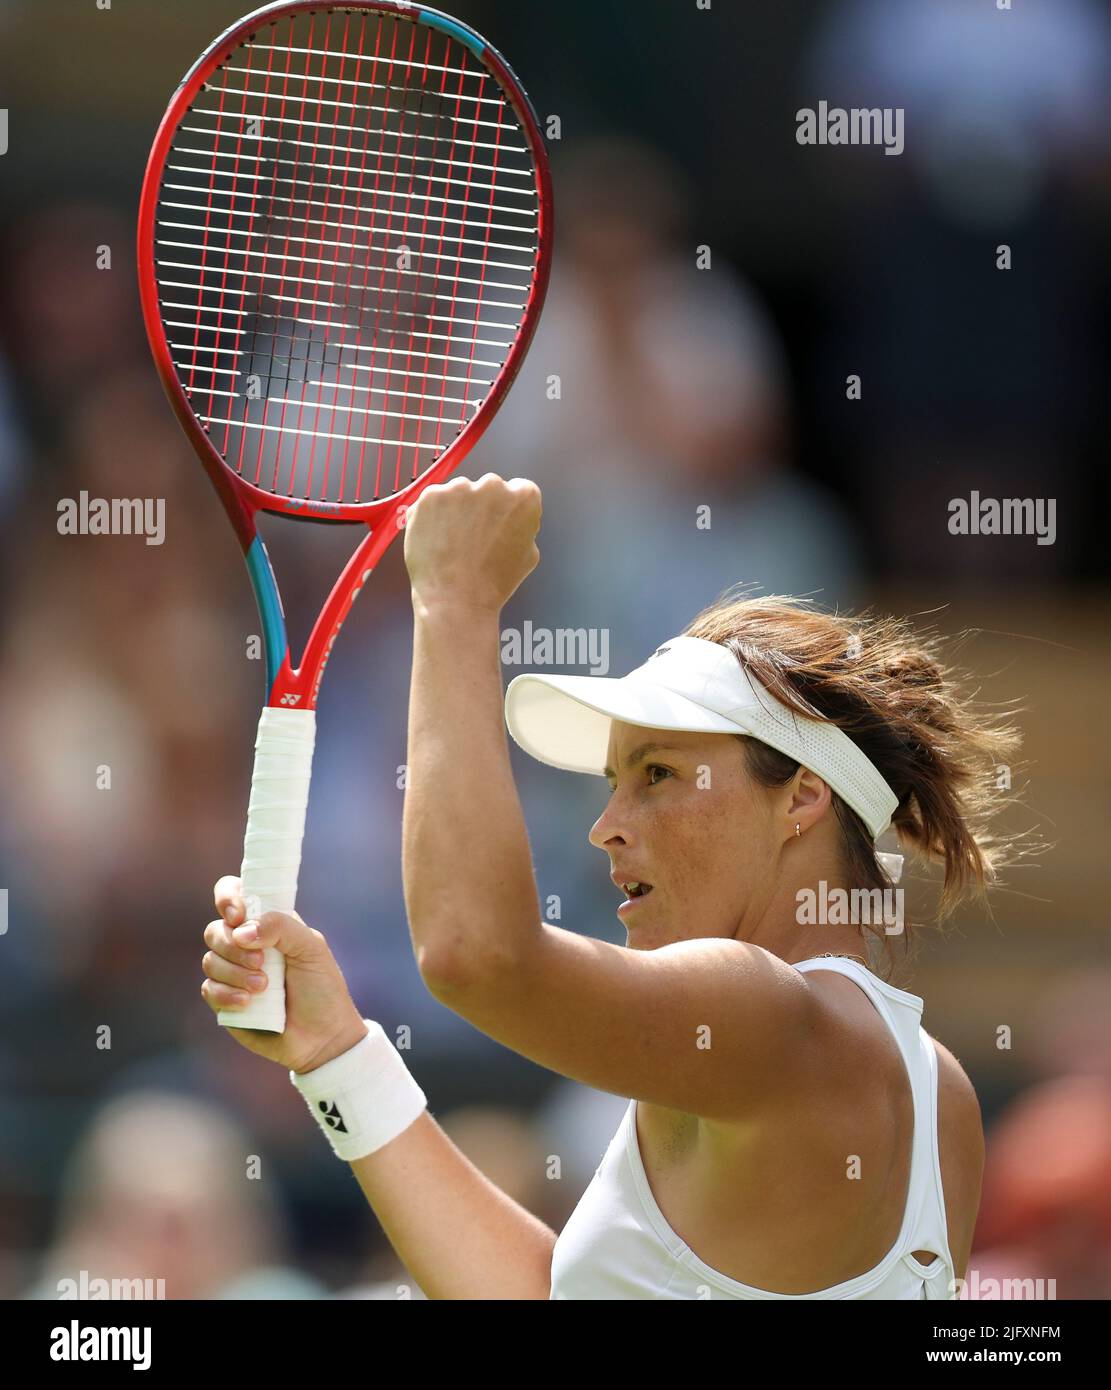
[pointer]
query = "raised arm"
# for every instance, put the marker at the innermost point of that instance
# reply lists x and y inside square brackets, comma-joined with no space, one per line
[637,1023]
[470,894]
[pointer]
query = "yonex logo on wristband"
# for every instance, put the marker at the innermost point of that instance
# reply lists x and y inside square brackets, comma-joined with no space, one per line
[363,1098]
[332,1118]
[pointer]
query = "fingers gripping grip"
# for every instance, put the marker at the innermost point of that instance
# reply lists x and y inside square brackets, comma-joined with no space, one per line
[272,846]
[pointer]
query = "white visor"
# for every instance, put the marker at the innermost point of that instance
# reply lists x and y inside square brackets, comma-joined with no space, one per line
[693,686]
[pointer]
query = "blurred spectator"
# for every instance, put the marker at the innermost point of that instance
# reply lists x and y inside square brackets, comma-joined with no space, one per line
[974,377]
[70,323]
[1071,1026]
[1046,1208]
[159,1189]
[998,103]
[665,456]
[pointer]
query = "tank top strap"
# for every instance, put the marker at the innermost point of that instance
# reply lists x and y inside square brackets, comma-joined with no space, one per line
[925,1225]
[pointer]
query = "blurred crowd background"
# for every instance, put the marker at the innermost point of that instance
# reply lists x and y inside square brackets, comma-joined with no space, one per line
[680,387]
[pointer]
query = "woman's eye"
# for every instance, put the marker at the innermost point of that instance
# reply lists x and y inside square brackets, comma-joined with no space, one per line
[651,770]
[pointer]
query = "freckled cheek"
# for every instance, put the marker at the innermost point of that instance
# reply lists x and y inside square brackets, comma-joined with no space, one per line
[688,842]
[714,849]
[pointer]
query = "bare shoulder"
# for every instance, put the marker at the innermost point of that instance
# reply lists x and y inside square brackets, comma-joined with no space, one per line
[961,1151]
[954,1079]
[854,1041]
[957,1095]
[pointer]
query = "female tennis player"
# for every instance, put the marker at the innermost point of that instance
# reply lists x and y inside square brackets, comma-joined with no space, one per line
[792,1130]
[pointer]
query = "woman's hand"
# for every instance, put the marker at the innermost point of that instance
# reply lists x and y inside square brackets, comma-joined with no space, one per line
[472,543]
[321,1018]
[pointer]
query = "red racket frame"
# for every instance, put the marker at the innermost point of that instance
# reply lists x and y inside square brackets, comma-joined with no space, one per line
[299,686]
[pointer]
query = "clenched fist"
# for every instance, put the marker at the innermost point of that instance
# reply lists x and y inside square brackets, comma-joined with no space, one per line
[472,543]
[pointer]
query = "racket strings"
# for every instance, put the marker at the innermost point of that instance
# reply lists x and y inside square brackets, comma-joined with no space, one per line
[346,240]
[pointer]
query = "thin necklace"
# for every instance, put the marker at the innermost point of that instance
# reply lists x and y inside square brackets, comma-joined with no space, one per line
[842,955]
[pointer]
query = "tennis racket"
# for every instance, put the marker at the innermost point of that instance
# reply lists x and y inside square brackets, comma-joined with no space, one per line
[344,246]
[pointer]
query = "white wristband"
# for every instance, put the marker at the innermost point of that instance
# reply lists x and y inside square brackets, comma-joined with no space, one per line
[364,1097]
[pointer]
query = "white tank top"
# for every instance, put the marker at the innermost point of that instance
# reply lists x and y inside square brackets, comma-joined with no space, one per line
[617,1244]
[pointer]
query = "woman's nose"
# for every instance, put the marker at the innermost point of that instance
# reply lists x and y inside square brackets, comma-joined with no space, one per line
[606,829]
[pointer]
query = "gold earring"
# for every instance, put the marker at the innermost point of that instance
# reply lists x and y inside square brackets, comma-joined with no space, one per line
[798,830]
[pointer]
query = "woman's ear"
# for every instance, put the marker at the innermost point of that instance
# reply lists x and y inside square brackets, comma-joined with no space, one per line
[809,800]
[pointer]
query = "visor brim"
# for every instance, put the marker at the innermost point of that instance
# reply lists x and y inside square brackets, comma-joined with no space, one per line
[565,721]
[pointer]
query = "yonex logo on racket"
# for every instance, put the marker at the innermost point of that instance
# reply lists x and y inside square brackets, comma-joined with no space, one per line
[290,699]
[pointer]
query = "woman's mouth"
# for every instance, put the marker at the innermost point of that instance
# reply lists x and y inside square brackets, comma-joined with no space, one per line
[635,892]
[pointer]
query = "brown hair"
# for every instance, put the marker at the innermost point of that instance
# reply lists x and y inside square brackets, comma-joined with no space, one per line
[888,689]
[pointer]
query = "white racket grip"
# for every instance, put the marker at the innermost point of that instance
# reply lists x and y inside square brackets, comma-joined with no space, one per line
[272,847]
